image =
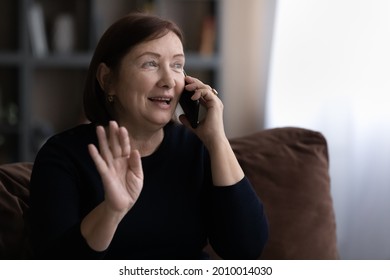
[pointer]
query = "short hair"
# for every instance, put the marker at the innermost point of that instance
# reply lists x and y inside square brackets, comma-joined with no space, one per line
[122,36]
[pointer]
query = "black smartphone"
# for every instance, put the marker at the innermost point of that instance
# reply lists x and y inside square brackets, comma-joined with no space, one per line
[190,107]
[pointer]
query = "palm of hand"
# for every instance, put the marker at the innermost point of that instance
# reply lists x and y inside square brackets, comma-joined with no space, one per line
[119,167]
[121,184]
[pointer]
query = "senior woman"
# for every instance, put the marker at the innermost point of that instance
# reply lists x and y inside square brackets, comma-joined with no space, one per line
[133,183]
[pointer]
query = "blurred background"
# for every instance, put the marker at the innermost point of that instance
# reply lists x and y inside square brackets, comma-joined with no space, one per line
[322,65]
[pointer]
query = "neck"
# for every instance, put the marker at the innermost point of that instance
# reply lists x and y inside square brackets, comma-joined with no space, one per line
[146,142]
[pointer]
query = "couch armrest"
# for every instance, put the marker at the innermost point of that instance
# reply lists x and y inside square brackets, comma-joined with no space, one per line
[14,197]
[288,168]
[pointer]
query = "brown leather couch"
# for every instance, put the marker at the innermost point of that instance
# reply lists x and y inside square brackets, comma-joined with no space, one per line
[289,168]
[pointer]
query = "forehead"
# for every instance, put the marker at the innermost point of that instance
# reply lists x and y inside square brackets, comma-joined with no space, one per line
[169,44]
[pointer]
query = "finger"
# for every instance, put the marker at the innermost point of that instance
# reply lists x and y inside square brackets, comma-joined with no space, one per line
[183,119]
[191,87]
[193,84]
[114,143]
[105,151]
[206,94]
[124,141]
[189,80]
[97,159]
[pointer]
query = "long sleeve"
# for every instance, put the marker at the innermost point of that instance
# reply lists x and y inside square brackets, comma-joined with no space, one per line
[60,197]
[238,227]
[176,212]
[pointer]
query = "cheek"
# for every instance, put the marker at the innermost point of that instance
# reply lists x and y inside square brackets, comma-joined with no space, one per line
[131,86]
[144,81]
[180,83]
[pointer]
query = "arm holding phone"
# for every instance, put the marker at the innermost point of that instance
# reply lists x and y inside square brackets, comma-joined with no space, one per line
[235,209]
[224,165]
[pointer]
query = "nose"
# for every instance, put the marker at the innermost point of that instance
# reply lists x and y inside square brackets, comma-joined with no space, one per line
[167,78]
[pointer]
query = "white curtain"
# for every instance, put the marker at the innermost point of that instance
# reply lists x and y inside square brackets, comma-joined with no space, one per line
[330,71]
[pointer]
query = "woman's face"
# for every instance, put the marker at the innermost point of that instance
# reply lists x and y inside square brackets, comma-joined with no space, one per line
[149,82]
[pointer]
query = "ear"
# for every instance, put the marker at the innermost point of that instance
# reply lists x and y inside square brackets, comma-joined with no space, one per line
[103,75]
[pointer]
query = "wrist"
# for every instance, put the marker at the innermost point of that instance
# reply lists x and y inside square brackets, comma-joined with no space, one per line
[217,144]
[111,215]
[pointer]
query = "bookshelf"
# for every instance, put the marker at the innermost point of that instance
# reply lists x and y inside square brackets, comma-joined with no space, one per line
[41,88]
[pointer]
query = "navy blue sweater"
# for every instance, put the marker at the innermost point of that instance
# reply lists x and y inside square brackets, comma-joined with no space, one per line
[177,213]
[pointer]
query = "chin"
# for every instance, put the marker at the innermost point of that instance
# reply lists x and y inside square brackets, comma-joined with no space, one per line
[163,121]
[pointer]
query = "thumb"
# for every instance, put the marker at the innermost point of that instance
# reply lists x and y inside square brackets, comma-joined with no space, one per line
[183,119]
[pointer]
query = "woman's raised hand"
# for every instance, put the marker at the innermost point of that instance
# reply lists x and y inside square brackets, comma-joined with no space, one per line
[120,167]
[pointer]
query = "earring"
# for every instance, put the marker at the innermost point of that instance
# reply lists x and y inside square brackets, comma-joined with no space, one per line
[110,98]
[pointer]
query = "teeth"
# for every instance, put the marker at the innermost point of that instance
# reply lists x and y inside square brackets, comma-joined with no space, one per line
[162,99]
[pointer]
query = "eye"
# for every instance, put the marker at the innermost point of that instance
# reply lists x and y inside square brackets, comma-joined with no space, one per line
[178,66]
[150,64]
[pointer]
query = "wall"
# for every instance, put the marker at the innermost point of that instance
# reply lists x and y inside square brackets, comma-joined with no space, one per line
[245,45]
[330,72]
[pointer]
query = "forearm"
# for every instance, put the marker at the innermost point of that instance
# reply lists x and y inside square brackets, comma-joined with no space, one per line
[99,226]
[225,167]
[238,224]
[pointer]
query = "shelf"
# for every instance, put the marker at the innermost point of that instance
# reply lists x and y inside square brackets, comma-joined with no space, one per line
[74,60]
[10,58]
[82,60]
[41,92]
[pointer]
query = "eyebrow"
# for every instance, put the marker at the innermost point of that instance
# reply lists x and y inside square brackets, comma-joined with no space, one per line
[157,55]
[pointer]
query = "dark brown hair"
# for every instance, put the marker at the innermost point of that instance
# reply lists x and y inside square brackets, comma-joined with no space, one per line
[116,42]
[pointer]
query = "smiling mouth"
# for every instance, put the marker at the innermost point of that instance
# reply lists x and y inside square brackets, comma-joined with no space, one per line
[161,99]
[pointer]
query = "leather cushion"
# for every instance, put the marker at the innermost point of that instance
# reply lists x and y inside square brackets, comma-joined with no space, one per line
[14,197]
[289,169]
